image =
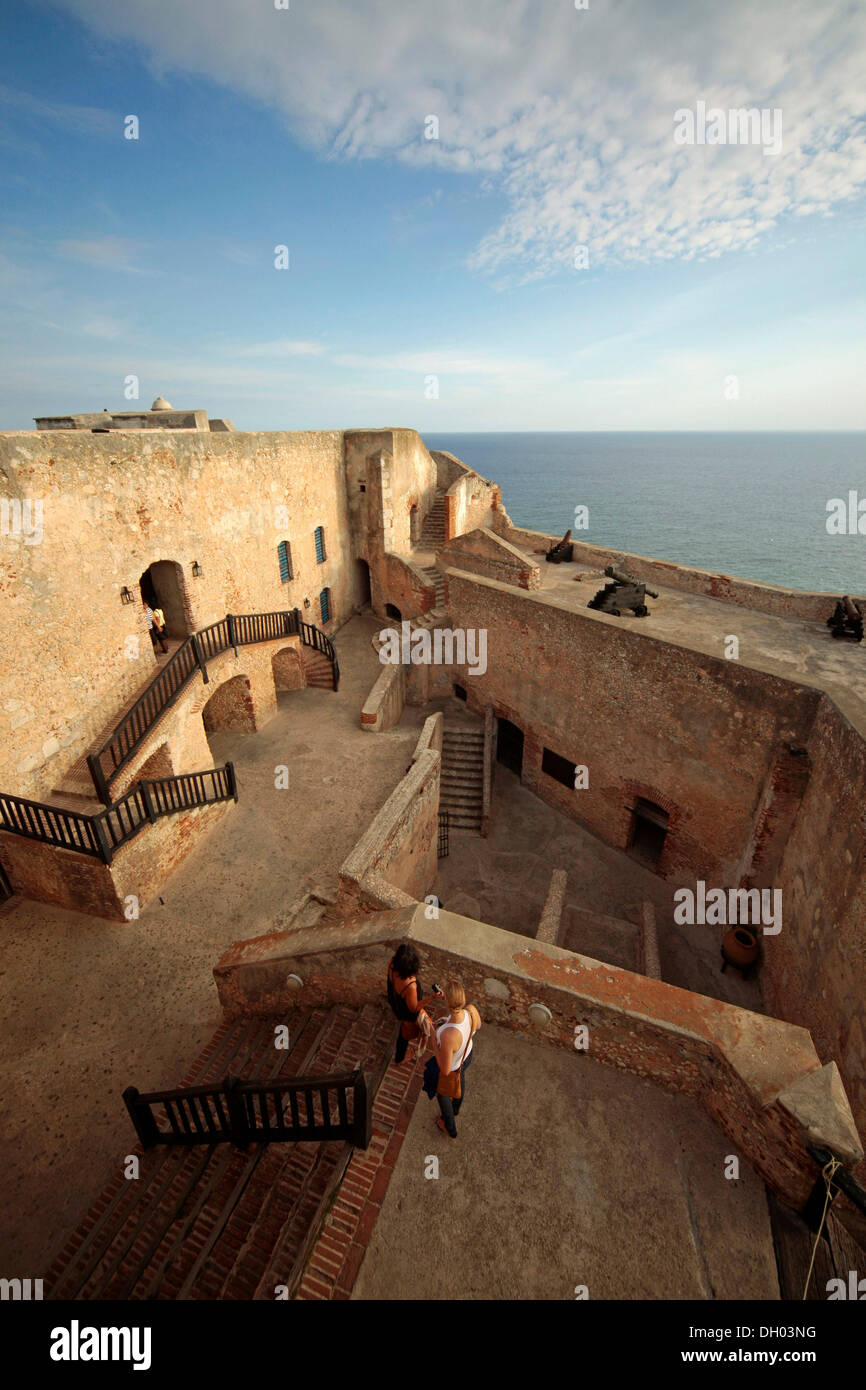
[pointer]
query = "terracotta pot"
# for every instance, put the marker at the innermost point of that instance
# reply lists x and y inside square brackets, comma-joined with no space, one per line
[740,947]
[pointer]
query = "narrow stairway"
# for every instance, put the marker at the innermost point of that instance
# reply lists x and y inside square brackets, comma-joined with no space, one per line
[216,1221]
[462,789]
[437,579]
[433,530]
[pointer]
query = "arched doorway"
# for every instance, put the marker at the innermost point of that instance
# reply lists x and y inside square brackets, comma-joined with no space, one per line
[163,586]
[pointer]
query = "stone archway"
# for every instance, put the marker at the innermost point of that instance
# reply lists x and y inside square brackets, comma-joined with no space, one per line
[288,669]
[163,586]
[230,707]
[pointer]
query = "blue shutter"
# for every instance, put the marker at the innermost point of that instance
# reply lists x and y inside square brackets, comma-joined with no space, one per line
[325,605]
[285,561]
[320,544]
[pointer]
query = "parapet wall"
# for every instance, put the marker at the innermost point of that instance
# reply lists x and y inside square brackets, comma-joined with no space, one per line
[395,862]
[748,593]
[760,1080]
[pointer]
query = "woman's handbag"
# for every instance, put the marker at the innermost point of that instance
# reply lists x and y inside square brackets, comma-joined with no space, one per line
[450,1084]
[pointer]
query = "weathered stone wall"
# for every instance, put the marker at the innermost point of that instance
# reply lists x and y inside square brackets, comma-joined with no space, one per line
[482,551]
[692,734]
[760,1080]
[399,850]
[814,971]
[397,474]
[112,506]
[395,579]
[384,705]
[86,885]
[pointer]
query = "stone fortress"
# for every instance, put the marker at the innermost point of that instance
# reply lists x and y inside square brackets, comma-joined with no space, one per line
[554,797]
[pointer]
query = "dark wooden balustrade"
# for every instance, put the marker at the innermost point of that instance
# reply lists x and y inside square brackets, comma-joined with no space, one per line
[312,1108]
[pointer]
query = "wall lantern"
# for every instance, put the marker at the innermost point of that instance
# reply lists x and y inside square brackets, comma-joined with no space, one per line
[126,595]
[197,570]
[306,603]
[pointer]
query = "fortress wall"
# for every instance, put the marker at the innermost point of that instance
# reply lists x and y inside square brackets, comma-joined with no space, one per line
[113,505]
[380,515]
[814,971]
[693,734]
[748,593]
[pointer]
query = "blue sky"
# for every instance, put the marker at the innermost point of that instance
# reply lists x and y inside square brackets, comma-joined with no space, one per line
[451,258]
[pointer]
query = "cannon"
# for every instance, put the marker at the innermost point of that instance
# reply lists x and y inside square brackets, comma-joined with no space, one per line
[563,550]
[847,619]
[623,593]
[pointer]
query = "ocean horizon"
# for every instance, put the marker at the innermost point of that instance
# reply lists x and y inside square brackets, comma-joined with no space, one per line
[747,503]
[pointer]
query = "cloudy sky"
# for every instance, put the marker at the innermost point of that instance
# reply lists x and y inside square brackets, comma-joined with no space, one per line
[720,286]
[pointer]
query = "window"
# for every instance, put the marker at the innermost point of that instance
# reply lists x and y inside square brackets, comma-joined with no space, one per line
[284,554]
[320,544]
[325,605]
[649,830]
[559,768]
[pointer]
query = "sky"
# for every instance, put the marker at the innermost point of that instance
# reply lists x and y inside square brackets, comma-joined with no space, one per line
[491,217]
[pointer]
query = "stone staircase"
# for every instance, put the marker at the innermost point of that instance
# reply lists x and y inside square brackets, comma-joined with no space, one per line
[433,530]
[437,579]
[318,670]
[216,1221]
[462,788]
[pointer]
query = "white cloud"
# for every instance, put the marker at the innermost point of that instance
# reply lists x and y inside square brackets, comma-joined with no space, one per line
[569,112]
[106,253]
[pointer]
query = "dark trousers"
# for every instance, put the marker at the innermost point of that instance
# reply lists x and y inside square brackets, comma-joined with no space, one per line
[156,636]
[402,1045]
[449,1108]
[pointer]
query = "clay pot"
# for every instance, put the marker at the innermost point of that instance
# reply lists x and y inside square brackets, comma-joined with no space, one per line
[740,947]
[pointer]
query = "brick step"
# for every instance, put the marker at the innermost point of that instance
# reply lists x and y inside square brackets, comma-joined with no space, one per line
[461,786]
[136,1234]
[197,1257]
[205,1221]
[228,1051]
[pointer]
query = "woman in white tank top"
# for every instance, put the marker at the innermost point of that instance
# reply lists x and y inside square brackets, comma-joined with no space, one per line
[453,1045]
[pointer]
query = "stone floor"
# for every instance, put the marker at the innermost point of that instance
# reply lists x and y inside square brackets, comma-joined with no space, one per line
[566,1173]
[88,1007]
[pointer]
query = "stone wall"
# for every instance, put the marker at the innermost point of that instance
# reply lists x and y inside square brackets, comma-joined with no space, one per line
[86,885]
[760,1080]
[395,862]
[482,551]
[384,705]
[112,506]
[396,474]
[690,733]
[814,971]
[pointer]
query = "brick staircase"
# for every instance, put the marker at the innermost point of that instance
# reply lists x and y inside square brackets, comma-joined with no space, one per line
[216,1221]
[437,579]
[433,530]
[318,670]
[462,788]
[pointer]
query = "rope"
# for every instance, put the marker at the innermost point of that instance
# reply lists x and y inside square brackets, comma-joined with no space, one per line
[827,1173]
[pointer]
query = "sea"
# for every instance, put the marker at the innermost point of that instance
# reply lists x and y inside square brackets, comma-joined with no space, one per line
[748,504]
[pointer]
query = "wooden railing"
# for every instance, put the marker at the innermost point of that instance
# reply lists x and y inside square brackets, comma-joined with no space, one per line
[309,1108]
[233,631]
[101,835]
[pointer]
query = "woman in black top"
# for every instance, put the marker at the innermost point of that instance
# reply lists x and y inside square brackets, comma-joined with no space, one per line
[404,996]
